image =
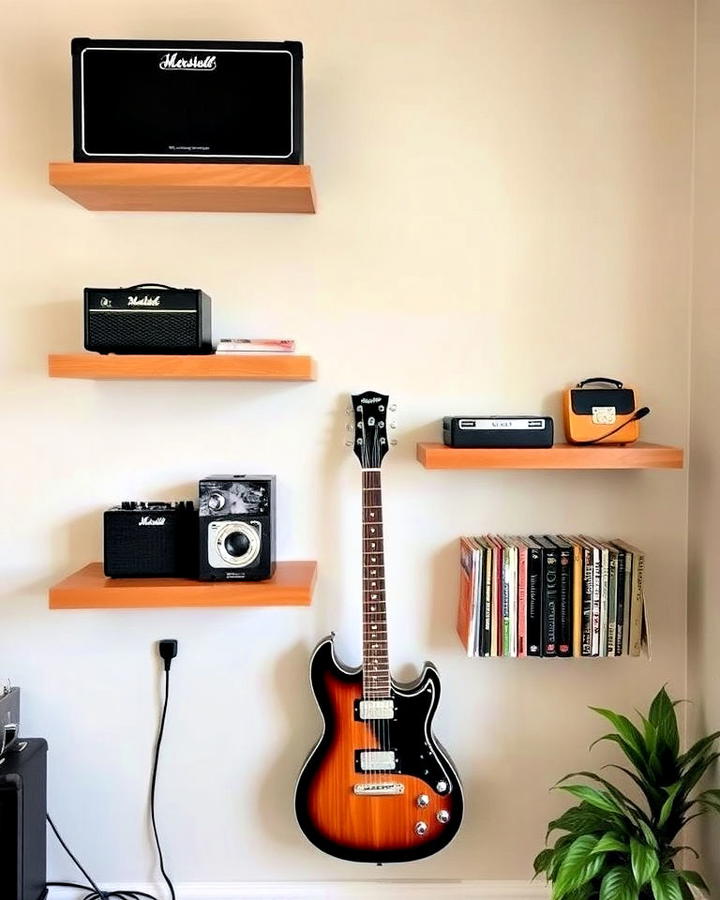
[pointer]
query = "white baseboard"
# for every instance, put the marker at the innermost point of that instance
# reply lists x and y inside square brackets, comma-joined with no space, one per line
[340,890]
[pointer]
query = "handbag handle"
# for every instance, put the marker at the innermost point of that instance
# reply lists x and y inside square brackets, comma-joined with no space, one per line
[613,381]
[150,284]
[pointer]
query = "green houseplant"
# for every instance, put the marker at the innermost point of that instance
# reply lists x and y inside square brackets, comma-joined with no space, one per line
[613,847]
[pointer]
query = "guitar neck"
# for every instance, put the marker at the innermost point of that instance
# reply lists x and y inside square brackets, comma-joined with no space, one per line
[376,667]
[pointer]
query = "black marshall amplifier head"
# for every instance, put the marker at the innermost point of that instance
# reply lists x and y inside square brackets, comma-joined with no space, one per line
[187,101]
[147,318]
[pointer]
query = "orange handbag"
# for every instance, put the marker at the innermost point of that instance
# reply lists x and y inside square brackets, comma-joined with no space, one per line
[601,411]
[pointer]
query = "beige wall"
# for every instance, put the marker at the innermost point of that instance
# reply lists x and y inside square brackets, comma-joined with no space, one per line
[703,618]
[504,197]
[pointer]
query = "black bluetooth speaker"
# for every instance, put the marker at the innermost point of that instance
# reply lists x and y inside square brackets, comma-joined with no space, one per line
[147,319]
[187,101]
[150,540]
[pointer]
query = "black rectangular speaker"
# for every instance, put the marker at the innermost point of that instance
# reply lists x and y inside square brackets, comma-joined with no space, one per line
[187,101]
[150,540]
[147,318]
[498,431]
[23,808]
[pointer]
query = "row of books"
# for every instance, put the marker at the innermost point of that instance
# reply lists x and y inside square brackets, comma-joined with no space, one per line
[551,596]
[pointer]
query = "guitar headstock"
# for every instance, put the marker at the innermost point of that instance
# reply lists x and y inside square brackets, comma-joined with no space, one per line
[370,440]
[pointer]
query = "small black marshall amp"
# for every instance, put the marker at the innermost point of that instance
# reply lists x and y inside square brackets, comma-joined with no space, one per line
[147,318]
[187,101]
[150,540]
[498,431]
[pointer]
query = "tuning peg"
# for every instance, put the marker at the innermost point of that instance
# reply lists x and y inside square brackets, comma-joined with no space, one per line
[348,443]
[348,411]
[393,423]
[393,407]
[393,443]
[349,427]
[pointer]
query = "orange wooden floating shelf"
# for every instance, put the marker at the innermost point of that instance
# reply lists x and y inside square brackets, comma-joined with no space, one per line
[251,366]
[186,187]
[88,588]
[561,456]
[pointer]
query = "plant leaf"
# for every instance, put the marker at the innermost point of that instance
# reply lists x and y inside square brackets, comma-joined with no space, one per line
[542,860]
[644,862]
[610,842]
[649,835]
[624,727]
[599,799]
[582,819]
[637,759]
[668,804]
[665,886]
[619,884]
[695,879]
[698,749]
[662,716]
[652,794]
[625,804]
[578,867]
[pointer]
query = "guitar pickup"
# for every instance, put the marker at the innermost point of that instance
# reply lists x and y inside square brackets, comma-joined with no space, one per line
[375,761]
[368,710]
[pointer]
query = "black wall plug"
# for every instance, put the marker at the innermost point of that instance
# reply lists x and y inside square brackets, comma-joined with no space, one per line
[168,650]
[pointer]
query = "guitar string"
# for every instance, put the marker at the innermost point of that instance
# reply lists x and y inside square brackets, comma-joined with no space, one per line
[384,730]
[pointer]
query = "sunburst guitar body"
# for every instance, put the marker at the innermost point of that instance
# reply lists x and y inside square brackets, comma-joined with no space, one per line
[377,787]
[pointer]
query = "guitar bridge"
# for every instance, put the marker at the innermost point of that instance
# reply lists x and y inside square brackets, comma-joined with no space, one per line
[389,788]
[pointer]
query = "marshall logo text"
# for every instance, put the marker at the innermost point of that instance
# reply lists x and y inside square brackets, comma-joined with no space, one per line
[147,520]
[143,301]
[173,62]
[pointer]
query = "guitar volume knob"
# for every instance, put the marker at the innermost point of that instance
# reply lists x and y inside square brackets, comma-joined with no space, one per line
[421,828]
[423,800]
[443,816]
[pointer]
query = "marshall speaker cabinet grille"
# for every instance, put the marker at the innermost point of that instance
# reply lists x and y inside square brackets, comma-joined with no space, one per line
[187,101]
[147,319]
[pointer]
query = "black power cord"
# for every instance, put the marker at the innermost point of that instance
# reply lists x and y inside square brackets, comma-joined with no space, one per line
[168,651]
[94,891]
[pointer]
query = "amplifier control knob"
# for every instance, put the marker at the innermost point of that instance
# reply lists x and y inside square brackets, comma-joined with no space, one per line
[216,502]
[443,816]
[441,786]
[421,828]
[423,800]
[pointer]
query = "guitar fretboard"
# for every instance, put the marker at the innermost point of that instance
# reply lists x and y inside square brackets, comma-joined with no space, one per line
[376,668]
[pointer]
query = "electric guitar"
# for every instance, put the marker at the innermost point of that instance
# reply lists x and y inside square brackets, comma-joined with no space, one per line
[377,787]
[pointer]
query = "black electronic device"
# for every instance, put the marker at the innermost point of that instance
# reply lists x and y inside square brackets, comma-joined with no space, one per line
[147,318]
[498,431]
[23,809]
[9,717]
[237,527]
[187,101]
[150,540]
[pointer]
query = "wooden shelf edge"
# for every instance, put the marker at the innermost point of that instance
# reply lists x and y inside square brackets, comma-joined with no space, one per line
[186,187]
[292,585]
[562,456]
[250,367]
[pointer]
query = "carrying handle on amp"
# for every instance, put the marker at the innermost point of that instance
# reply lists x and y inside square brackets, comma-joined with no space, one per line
[150,284]
[614,381]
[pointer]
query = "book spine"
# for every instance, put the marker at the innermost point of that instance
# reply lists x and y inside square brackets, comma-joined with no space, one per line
[506,641]
[636,608]
[612,600]
[564,602]
[603,601]
[587,602]
[465,599]
[550,602]
[597,578]
[522,599]
[535,580]
[495,602]
[514,559]
[577,599]
[620,612]
[487,603]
